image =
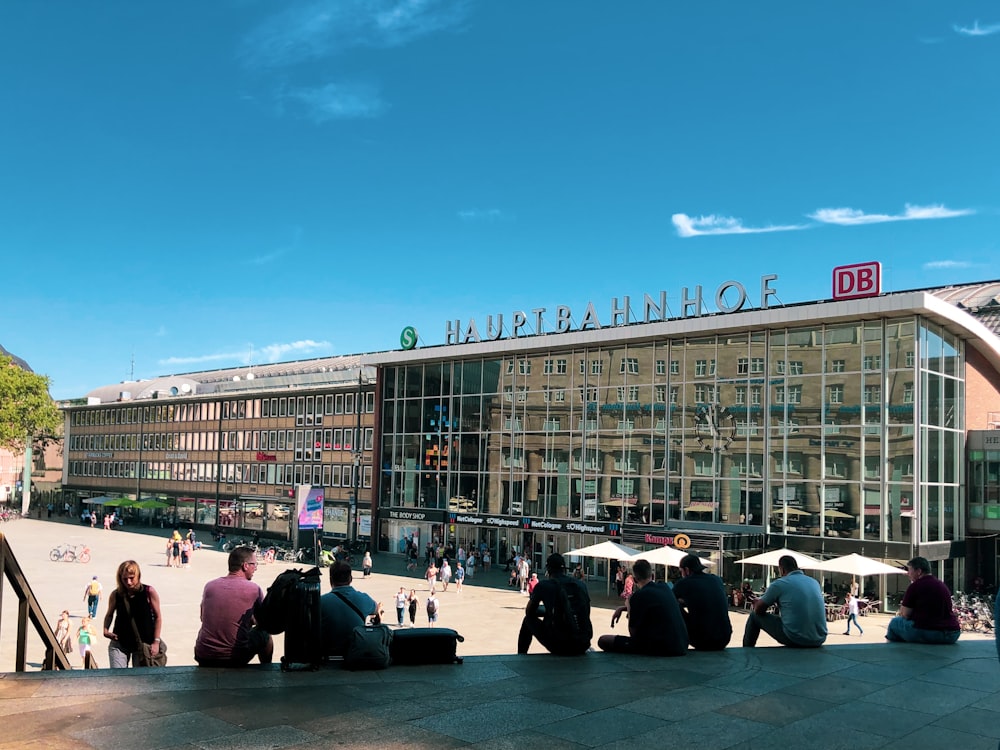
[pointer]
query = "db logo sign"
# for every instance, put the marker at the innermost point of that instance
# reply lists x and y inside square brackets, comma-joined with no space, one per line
[858,280]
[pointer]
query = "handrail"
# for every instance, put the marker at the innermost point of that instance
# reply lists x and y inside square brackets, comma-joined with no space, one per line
[28,608]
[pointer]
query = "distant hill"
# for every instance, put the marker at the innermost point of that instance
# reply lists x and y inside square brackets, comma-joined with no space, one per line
[17,360]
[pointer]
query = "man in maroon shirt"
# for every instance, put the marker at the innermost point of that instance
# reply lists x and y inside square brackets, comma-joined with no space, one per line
[926,614]
[228,636]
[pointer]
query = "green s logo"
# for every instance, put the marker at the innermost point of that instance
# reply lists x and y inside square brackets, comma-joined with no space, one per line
[408,337]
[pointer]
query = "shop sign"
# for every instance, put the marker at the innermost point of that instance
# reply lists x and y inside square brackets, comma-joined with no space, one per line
[535,524]
[261,456]
[431,516]
[857,280]
[730,296]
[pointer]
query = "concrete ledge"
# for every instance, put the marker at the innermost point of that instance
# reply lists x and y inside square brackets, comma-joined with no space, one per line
[858,696]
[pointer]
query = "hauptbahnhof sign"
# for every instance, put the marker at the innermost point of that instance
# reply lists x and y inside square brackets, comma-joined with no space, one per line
[730,296]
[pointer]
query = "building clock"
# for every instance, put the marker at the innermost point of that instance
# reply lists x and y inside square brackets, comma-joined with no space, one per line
[716,427]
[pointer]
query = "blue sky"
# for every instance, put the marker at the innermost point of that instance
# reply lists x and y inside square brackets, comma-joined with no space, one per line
[183,183]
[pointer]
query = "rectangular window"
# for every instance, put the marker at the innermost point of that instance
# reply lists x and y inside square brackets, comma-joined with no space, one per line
[583,367]
[547,368]
[626,425]
[524,366]
[743,366]
[335,475]
[522,394]
[675,367]
[787,426]
[790,463]
[838,365]
[551,425]
[872,362]
[835,394]
[629,366]
[704,394]
[596,367]
[560,394]
[908,393]
[873,394]
[704,465]
[510,367]
[661,367]
[836,466]
[909,359]
[560,367]
[746,427]
[789,368]
[791,394]
[741,394]
[660,394]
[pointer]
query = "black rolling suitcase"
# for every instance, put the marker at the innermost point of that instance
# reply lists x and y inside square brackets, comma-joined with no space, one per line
[425,646]
[303,637]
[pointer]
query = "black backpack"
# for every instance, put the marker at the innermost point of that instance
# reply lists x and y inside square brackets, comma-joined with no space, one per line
[564,619]
[271,613]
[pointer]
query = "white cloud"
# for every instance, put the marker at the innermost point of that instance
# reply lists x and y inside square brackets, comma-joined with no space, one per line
[482,214]
[853,217]
[269,353]
[936,265]
[274,352]
[696,226]
[323,28]
[977,30]
[336,101]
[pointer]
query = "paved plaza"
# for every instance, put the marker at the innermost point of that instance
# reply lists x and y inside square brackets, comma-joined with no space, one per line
[854,693]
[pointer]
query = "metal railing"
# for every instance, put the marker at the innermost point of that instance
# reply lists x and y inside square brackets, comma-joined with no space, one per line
[28,609]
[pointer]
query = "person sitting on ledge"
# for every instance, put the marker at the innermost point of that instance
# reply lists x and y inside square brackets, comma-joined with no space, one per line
[655,624]
[557,613]
[704,605]
[802,623]
[926,614]
[228,636]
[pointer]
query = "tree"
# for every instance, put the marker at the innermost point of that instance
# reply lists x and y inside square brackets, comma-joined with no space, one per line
[27,411]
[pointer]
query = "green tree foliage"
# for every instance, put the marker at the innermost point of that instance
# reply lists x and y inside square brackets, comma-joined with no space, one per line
[26,408]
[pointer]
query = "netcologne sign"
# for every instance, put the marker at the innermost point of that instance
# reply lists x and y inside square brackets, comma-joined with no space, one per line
[731,296]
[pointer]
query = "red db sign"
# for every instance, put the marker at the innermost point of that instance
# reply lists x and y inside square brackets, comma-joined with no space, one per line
[858,280]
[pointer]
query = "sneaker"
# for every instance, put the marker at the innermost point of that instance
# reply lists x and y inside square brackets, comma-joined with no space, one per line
[848,633]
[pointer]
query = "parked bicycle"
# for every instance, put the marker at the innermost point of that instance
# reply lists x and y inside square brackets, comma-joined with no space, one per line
[70,553]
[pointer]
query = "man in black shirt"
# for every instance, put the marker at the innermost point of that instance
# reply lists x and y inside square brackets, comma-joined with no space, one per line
[557,614]
[704,605]
[655,624]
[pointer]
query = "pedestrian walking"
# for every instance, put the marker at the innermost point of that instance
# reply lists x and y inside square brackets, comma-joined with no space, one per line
[92,595]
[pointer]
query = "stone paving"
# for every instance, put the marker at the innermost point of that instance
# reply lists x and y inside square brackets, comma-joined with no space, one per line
[853,693]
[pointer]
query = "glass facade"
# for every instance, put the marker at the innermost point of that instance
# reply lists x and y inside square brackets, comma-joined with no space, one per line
[848,430]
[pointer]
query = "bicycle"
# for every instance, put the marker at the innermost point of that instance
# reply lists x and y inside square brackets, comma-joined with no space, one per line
[82,552]
[63,553]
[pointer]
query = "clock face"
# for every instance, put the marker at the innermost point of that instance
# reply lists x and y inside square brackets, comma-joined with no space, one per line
[716,427]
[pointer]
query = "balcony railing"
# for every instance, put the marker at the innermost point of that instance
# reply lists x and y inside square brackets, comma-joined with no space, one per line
[28,610]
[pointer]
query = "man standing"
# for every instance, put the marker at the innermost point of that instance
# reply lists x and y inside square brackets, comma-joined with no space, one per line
[557,613]
[802,623]
[704,605]
[93,596]
[925,614]
[228,636]
[343,609]
[655,624]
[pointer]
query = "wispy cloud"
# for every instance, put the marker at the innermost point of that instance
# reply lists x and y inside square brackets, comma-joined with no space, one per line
[977,30]
[274,352]
[937,265]
[698,226]
[334,101]
[483,215]
[323,28]
[853,217]
[268,353]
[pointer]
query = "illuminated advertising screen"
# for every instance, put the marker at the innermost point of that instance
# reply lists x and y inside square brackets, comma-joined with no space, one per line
[310,505]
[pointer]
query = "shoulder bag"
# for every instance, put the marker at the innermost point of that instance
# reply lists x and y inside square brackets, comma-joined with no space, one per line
[369,646]
[144,656]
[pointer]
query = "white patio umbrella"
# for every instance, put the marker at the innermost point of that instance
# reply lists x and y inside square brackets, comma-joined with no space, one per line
[667,556]
[771,558]
[858,565]
[605,551]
